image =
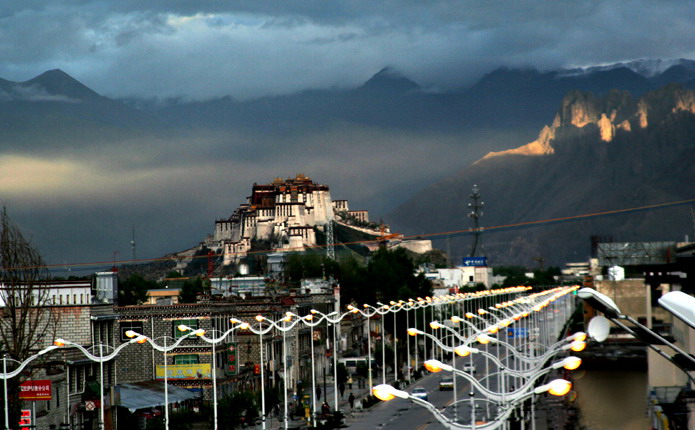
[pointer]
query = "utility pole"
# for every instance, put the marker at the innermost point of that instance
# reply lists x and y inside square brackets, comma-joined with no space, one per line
[476,207]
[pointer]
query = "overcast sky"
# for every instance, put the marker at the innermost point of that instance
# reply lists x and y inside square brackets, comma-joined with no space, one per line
[206,48]
[81,203]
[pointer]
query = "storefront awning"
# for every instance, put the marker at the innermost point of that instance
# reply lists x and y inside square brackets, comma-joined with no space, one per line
[149,394]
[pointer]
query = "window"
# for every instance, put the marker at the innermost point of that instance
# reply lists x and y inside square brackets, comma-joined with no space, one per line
[136,326]
[176,323]
[186,359]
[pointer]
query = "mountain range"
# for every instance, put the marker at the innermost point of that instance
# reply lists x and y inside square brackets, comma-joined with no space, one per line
[430,135]
[599,154]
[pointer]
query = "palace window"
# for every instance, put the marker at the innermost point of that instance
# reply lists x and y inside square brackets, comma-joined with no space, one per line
[190,323]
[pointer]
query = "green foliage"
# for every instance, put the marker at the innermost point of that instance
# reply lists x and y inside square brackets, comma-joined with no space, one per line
[190,290]
[133,290]
[236,409]
[436,257]
[299,266]
[516,275]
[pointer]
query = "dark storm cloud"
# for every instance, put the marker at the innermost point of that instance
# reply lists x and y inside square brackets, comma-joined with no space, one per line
[202,49]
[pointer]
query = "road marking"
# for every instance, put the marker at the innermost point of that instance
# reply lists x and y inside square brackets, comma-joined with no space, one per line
[423,426]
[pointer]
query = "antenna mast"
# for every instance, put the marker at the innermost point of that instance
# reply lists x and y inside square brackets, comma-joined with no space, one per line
[132,243]
[476,207]
[330,241]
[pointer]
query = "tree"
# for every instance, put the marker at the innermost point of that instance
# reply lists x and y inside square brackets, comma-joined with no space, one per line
[190,290]
[133,290]
[27,319]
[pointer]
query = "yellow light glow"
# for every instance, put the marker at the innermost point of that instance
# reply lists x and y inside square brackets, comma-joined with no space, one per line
[573,363]
[141,339]
[492,329]
[462,351]
[244,326]
[456,319]
[483,339]
[382,394]
[469,315]
[59,342]
[260,318]
[559,387]
[309,317]
[434,325]
[130,333]
[432,368]
[412,332]
[482,311]
[578,346]
[234,321]
[580,336]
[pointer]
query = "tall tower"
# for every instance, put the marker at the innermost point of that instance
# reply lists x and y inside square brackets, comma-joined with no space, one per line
[476,207]
[330,241]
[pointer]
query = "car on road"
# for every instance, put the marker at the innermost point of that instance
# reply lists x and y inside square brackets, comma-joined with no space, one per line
[420,393]
[446,383]
[470,368]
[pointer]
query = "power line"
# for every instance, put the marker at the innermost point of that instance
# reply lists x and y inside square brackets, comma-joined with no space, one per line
[452,233]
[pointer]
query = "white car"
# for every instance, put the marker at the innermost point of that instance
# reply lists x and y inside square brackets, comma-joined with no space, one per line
[420,393]
[470,368]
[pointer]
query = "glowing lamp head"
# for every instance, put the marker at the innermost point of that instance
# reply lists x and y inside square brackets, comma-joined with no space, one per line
[484,339]
[482,311]
[382,394]
[579,336]
[141,339]
[309,317]
[59,342]
[350,307]
[559,387]
[260,318]
[130,334]
[578,345]
[493,329]
[413,332]
[469,315]
[525,314]
[433,366]
[464,351]
[244,326]
[233,321]
[572,363]
[434,325]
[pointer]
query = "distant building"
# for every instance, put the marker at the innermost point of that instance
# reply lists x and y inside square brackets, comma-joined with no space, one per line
[286,211]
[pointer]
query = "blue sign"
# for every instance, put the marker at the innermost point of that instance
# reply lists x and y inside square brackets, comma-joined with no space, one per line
[520,332]
[474,261]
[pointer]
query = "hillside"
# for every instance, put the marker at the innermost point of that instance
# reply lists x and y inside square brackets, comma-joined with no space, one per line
[600,153]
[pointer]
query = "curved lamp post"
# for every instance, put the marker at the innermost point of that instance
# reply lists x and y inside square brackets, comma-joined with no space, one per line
[99,359]
[213,342]
[137,337]
[386,392]
[5,376]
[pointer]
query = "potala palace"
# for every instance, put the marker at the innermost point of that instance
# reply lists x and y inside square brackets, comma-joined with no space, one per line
[286,212]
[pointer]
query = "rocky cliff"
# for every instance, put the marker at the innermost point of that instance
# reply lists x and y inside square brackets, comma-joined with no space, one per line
[600,153]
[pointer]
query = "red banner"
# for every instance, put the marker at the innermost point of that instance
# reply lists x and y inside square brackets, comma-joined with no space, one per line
[39,389]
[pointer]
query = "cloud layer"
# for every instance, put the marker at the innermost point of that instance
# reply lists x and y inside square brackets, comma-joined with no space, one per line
[202,49]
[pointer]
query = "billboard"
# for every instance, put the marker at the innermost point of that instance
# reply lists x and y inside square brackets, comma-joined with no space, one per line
[185,371]
[474,261]
[232,365]
[38,389]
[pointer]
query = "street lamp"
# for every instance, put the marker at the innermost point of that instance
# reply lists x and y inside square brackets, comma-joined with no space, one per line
[213,342]
[5,376]
[137,337]
[100,359]
[677,304]
[557,387]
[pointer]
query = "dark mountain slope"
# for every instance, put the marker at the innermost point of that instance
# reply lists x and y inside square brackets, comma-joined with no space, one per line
[600,154]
